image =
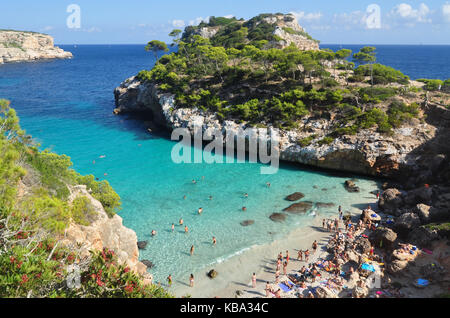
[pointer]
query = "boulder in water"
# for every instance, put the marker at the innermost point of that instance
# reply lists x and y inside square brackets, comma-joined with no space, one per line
[142,245]
[277,217]
[300,207]
[350,186]
[147,263]
[295,196]
[247,222]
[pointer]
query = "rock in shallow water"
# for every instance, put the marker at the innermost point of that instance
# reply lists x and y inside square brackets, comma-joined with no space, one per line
[142,245]
[247,222]
[295,196]
[147,263]
[277,217]
[350,186]
[301,207]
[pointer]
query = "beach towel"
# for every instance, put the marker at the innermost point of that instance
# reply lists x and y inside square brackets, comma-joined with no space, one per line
[422,282]
[427,251]
[285,288]
[368,267]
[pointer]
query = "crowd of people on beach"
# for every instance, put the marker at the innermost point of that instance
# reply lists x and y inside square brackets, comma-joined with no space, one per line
[329,268]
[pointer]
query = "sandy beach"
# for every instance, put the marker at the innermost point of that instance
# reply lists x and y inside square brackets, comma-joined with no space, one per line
[235,273]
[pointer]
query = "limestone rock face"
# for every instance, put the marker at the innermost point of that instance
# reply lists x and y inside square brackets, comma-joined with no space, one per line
[17,46]
[104,232]
[367,152]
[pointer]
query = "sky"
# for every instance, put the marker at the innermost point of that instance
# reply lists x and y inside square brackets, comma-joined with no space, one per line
[140,21]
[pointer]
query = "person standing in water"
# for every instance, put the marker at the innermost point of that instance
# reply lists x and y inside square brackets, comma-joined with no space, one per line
[214,240]
[254,280]
[192,250]
[200,210]
[181,221]
[186,230]
[191,280]
[173,227]
[169,280]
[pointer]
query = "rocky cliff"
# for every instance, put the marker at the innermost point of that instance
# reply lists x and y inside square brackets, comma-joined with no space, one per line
[103,232]
[368,152]
[18,46]
[284,28]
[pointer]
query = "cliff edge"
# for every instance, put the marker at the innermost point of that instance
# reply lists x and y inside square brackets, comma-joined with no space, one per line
[19,46]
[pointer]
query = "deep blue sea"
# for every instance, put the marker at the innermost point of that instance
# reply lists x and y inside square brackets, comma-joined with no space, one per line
[67,106]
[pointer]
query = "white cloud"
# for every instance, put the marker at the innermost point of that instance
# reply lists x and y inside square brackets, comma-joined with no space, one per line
[307,17]
[198,20]
[178,23]
[446,11]
[407,14]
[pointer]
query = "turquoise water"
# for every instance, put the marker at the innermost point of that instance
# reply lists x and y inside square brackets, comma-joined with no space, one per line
[67,106]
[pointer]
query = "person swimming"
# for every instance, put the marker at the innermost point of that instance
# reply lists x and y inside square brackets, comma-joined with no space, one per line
[244,208]
[153,232]
[200,210]
[181,221]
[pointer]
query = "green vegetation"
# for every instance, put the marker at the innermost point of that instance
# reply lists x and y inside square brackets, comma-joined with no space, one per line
[238,74]
[381,74]
[35,212]
[434,84]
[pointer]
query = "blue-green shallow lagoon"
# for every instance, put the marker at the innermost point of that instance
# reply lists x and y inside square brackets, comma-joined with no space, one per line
[67,106]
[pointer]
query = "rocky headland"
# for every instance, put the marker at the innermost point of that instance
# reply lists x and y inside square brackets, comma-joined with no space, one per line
[20,46]
[412,155]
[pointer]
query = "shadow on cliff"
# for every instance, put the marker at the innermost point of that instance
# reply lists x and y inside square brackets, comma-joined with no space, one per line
[432,157]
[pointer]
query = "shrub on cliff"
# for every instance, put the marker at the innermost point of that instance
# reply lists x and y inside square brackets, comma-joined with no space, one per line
[382,74]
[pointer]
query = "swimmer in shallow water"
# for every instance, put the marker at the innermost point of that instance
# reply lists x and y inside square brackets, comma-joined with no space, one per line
[200,210]
[181,221]
[153,232]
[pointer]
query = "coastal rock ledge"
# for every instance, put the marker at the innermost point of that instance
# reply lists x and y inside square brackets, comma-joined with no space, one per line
[20,46]
[408,151]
